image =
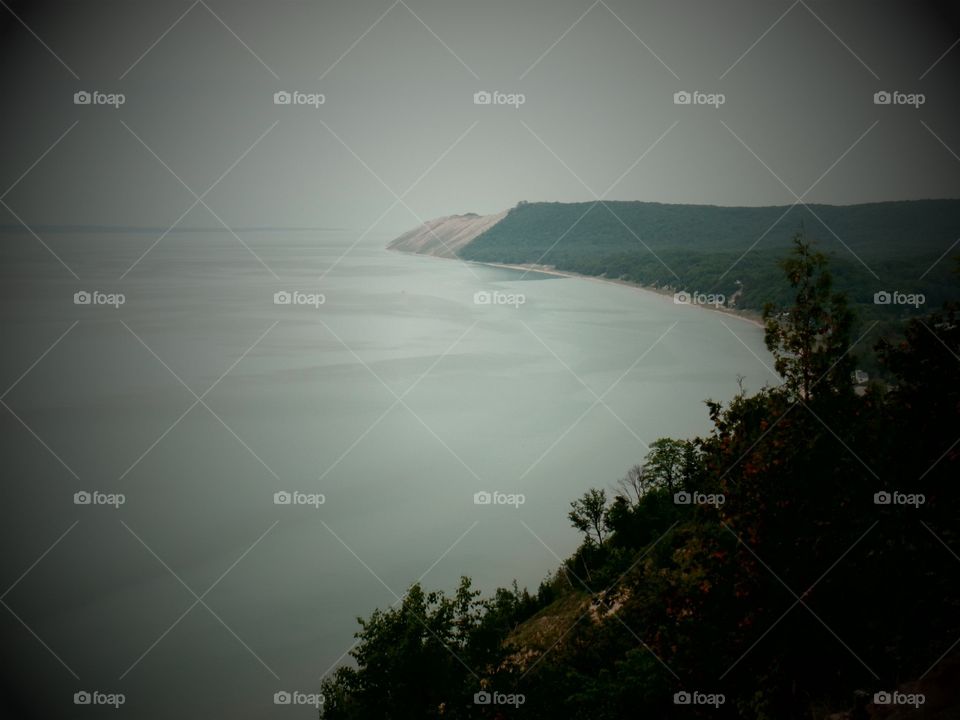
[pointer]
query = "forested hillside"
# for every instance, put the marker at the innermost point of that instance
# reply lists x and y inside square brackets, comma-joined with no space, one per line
[710,248]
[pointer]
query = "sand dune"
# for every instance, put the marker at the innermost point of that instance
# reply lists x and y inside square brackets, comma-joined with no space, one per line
[443,237]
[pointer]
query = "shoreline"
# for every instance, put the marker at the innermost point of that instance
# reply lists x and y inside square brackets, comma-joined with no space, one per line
[748,316]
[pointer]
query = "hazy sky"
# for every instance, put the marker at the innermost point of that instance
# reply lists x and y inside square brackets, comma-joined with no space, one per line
[399,80]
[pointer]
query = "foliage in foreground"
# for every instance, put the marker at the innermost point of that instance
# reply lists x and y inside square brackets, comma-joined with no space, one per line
[755,562]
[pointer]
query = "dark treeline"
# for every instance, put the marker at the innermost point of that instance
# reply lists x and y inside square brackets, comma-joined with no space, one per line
[797,559]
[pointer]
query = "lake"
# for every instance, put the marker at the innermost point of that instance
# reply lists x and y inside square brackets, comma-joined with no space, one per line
[396,399]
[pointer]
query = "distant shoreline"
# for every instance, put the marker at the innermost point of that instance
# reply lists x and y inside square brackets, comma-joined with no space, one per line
[746,315]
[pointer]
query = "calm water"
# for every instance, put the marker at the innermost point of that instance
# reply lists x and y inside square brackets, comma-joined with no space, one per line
[494,398]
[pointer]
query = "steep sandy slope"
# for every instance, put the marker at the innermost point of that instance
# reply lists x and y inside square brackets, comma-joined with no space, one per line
[444,236]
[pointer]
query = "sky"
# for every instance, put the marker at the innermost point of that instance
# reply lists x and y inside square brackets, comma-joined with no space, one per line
[399,139]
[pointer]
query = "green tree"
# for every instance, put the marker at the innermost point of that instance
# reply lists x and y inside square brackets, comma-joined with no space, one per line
[668,463]
[589,515]
[810,339]
[412,660]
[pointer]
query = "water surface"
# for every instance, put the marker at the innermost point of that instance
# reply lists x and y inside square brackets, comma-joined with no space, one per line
[492,398]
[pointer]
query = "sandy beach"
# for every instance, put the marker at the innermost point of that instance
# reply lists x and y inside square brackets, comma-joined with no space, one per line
[745,315]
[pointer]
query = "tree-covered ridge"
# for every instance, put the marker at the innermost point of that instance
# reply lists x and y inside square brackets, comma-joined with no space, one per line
[708,248]
[795,561]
